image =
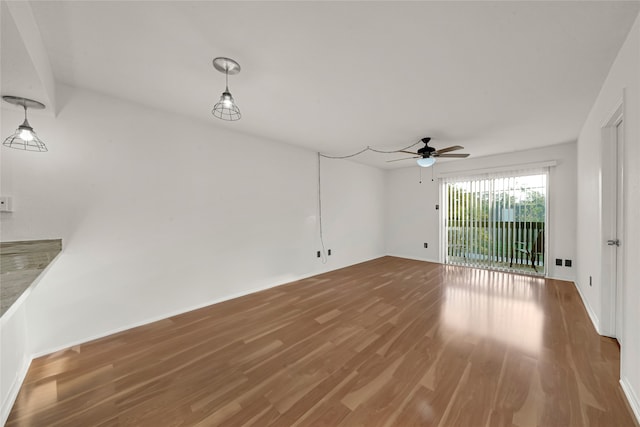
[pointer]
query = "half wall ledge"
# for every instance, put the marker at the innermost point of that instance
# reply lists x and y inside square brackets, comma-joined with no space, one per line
[20,265]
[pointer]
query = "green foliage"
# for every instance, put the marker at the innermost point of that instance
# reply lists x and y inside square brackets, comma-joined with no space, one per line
[480,222]
[504,207]
[532,208]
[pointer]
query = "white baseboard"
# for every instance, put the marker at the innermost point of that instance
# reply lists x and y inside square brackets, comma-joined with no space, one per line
[564,279]
[158,318]
[10,398]
[414,258]
[163,316]
[632,398]
[590,312]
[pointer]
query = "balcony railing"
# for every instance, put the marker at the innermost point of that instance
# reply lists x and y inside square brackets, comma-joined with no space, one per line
[503,245]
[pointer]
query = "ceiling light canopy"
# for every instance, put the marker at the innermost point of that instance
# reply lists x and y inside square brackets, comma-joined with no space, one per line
[226,108]
[25,137]
[425,162]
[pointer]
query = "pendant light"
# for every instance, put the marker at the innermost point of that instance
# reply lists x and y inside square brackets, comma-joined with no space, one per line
[226,108]
[25,137]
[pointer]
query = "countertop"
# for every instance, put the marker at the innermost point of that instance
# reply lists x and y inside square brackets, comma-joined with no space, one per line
[20,264]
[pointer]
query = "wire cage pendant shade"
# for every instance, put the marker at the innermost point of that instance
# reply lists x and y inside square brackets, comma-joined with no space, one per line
[24,138]
[226,108]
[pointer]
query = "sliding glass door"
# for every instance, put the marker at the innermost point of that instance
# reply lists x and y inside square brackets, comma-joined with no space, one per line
[496,221]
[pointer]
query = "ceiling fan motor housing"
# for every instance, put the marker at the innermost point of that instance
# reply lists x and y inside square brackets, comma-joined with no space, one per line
[426,150]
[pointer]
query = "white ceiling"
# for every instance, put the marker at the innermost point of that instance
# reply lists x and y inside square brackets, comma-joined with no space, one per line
[339,76]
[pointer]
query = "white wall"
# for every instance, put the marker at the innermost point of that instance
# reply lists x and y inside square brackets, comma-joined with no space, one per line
[160,214]
[15,357]
[624,77]
[412,219]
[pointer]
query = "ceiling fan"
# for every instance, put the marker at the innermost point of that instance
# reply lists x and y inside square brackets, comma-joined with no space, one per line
[427,155]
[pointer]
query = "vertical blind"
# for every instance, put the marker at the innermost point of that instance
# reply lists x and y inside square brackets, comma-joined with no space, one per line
[496,220]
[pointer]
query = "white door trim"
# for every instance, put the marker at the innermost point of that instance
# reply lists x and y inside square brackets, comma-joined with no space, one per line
[608,218]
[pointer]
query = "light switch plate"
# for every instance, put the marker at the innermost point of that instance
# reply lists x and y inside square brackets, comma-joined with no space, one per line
[5,204]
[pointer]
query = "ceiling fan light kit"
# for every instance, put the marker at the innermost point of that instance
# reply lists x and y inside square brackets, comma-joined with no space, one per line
[226,108]
[425,162]
[25,137]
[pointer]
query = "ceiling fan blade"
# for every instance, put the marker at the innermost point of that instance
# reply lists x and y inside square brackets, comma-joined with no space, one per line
[408,152]
[406,158]
[457,155]
[447,149]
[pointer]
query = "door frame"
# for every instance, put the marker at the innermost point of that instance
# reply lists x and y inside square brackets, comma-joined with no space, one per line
[609,229]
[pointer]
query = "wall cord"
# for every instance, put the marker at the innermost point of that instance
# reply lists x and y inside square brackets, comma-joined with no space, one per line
[324,251]
[320,155]
[369,149]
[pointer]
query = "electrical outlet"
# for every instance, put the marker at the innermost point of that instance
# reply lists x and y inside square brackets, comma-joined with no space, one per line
[329,252]
[567,263]
[318,254]
[559,262]
[426,245]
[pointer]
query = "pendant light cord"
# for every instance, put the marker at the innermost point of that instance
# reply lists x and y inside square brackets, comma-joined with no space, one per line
[324,251]
[320,155]
[369,149]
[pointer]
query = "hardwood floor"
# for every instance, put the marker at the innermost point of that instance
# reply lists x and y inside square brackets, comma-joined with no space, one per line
[390,342]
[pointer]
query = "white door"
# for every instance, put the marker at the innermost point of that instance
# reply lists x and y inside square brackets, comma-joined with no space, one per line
[612,223]
[619,282]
